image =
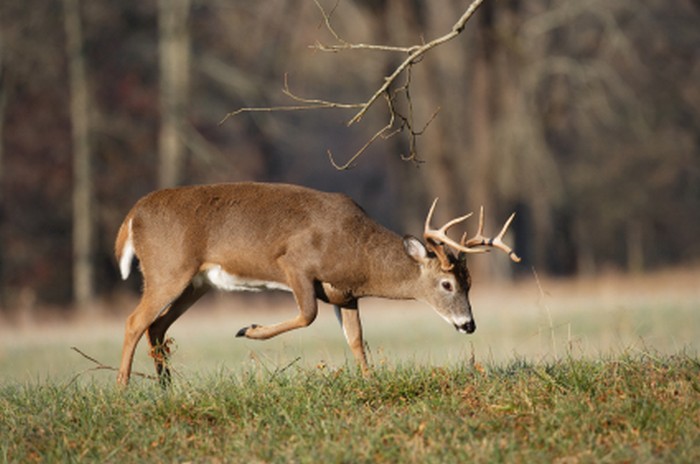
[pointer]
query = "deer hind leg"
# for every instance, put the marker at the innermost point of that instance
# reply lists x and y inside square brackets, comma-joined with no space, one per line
[349,318]
[156,331]
[155,300]
[303,290]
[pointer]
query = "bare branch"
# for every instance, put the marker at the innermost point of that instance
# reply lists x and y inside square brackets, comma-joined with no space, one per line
[386,132]
[314,103]
[415,55]
[415,52]
[306,104]
[383,132]
[344,44]
[407,122]
[361,46]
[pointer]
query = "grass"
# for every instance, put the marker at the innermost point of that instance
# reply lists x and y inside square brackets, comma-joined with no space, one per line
[630,408]
[601,370]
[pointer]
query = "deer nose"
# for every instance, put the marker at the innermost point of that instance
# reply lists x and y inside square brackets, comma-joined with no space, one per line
[467,327]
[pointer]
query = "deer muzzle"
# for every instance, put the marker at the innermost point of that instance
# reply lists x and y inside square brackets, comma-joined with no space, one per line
[468,327]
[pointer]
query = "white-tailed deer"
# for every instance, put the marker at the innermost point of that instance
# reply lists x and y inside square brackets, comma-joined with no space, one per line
[254,236]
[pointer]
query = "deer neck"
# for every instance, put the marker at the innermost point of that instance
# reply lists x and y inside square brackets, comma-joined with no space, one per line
[391,272]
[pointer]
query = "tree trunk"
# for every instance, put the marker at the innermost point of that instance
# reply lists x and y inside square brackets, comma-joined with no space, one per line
[174,51]
[83,270]
[3,101]
[635,246]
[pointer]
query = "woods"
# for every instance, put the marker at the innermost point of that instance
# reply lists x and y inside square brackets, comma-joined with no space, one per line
[583,117]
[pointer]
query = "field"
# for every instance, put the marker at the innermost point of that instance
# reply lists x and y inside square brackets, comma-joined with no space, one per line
[599,370]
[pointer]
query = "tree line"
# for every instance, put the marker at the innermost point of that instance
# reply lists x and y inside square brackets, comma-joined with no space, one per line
[582,117]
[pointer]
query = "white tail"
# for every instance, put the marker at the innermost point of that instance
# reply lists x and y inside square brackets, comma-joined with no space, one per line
[252,236]
[125,251]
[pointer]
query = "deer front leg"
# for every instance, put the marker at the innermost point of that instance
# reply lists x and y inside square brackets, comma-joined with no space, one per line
[305,297]
[352,328]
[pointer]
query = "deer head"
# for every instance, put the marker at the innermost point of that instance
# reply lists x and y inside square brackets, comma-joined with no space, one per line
[451,280]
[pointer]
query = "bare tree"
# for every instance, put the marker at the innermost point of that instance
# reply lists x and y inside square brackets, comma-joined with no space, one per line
[174,45]
[83,269]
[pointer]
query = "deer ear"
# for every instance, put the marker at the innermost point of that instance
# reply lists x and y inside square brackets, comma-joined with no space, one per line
[415,249]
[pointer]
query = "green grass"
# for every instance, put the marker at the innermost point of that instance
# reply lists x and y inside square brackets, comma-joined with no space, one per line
[628,408]
[573,372]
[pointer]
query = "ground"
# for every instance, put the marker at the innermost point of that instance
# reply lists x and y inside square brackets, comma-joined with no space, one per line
[535,319]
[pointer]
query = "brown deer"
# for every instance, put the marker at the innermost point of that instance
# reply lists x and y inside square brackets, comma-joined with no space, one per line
[255,236]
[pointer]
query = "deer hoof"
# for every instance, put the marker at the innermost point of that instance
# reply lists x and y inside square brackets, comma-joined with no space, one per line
[242,332]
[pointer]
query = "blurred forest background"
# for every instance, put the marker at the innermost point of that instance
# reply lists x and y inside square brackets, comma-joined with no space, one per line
[583,116]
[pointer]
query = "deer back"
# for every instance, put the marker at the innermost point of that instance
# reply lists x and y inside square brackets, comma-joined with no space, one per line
[247,227]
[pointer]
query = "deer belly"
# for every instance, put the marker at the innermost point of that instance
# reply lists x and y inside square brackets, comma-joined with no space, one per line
[216,277]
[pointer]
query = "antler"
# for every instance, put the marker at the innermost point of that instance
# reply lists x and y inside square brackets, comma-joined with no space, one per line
[436,237]
[496,242]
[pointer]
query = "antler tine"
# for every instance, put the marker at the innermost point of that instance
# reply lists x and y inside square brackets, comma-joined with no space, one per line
[442,230]
[430,216]
[478,239]
[505,227]
[480,229]
[497,242]
[439,236]
[500,244]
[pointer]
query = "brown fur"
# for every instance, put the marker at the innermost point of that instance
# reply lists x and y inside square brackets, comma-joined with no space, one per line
[320,245]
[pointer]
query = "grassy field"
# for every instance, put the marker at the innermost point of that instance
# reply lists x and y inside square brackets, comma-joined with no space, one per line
[628,409]
[604,370]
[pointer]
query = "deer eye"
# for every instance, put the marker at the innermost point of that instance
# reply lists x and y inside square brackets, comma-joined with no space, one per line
[447,285]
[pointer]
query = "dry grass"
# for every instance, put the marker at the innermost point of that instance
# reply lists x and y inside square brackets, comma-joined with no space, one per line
[559,317]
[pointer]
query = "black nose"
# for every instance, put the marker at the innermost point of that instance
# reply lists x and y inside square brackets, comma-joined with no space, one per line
[468,327]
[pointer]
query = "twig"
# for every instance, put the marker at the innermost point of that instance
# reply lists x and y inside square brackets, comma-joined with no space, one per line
[282,369]
[307,104]
[380,133]
[407,121]
[102,366]
[314,103]
[345,45]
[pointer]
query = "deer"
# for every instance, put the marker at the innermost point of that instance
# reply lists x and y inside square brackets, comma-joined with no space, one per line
[251,236]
